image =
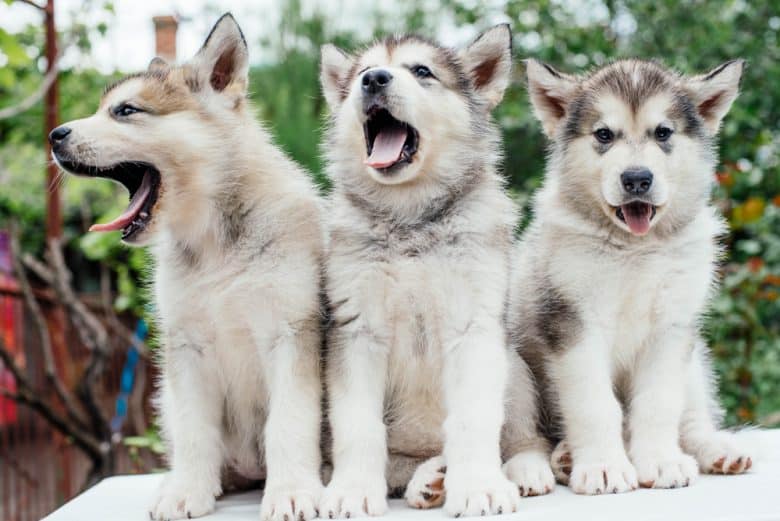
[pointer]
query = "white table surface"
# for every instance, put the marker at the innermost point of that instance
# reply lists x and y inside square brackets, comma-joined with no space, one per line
[751,497]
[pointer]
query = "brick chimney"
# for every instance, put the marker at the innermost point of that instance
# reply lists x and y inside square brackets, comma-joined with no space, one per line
[165,37]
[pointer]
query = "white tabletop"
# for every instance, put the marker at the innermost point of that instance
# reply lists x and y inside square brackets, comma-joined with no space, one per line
[751,497]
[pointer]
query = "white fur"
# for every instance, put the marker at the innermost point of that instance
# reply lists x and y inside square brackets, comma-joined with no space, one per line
[418,301]
[237,243]
[633,303]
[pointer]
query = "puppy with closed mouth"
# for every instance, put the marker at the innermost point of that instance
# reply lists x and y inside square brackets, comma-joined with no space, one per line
[417,277]
[234,226]
[614,274]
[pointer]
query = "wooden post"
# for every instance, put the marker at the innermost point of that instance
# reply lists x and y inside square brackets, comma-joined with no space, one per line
[54,231]
[53,202]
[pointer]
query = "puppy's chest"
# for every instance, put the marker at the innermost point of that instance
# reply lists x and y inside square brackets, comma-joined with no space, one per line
[210,297]
[634,297]
[403,288]
[394,242]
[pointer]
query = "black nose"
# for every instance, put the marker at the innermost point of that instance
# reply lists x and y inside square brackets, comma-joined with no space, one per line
[637,181]
[58,134]
[376,80]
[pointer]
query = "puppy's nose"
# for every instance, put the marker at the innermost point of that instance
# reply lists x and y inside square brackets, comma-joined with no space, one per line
[58,135]
[376,80]
[636,181]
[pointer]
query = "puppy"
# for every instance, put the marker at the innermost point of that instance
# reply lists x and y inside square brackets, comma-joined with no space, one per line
[615,272]
[234,227]
[417,276]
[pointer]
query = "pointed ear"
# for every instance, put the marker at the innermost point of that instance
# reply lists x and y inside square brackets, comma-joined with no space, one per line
[223,61]
[335,65]
[158,65]
[714,92]
[488,62]
[550,92]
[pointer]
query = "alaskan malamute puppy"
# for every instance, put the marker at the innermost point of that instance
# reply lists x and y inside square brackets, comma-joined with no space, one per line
[417,277]
[614,274]
[235,230]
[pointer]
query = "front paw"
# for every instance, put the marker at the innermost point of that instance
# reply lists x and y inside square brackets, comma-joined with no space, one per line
[665,469]
[354,498]
[531,472]
[605,475]
[290,503]
[480,494]
[183,500]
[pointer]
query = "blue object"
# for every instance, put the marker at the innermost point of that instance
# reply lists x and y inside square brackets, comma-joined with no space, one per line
[127,379]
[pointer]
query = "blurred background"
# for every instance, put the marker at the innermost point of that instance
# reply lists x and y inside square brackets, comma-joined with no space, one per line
[76,367]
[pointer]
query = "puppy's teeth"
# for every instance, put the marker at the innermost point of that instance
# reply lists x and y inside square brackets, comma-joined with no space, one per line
[143,215]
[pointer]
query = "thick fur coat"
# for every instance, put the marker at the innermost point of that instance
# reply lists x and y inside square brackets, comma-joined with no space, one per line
[614,274]
[417,277]
[234,227]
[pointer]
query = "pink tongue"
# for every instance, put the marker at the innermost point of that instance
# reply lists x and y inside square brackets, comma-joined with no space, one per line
[132,210]
[637,217]
[388,145]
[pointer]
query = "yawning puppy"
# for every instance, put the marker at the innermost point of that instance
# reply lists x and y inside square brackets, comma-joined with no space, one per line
[234,226]
[615,272]
[417,276]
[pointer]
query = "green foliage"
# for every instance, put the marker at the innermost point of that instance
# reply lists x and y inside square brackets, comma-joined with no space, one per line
[693,36]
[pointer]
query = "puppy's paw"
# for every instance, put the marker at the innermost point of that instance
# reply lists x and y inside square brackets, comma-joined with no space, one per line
[290,503]
[531,472]
[182,500]
[609,475]
[426,488]
[354,498]
[561,462]
[670,469]
[722,454]
[480,494]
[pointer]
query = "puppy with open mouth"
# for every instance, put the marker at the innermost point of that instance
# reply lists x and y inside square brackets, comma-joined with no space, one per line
[234,226]
[417,276]
[614,274]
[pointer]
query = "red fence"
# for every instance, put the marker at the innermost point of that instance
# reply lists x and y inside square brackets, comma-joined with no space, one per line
[39,468]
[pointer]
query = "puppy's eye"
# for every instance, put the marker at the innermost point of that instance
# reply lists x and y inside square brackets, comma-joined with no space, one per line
[604,135]
[421,71]
[125,109]
[663,133]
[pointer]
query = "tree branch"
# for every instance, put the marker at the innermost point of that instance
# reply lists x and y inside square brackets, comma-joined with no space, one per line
[112,322]
[90,331]
[43,88]
[43,332]
[35,97]
[26,395]
[33,4]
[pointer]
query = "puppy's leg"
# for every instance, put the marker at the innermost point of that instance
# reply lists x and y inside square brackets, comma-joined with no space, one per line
[529,463]
[191,415]
[475,374]
[292,430]
[426,486]
[717,451]
[592,417]
[656,404]
[357,371]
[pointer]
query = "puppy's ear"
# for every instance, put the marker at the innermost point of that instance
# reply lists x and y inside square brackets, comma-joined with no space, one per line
[335,65]
[158,65]
[550,92]
[488,63]
[714,92]
[223,61]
